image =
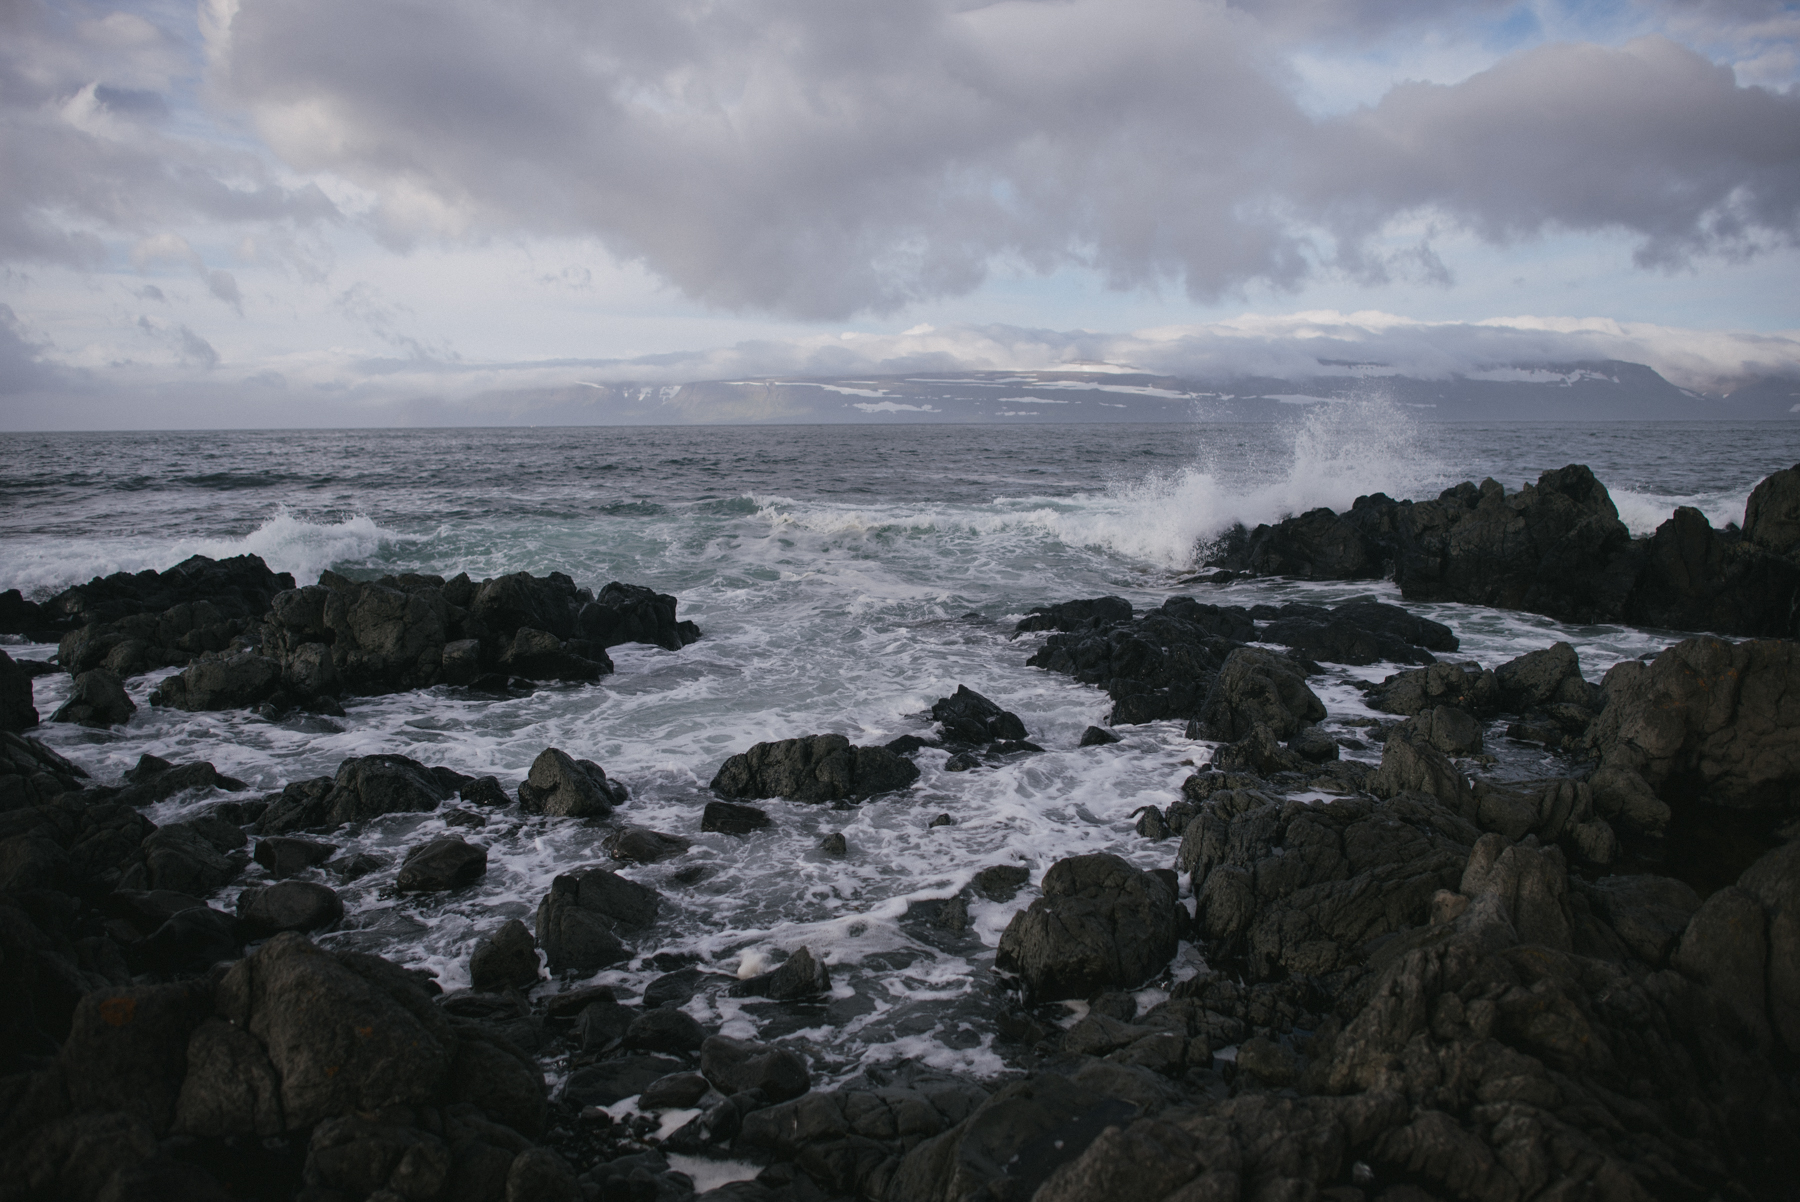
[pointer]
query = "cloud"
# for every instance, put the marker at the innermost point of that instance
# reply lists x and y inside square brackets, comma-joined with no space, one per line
[197,350]
[818,159]
[22,368]
[82,133]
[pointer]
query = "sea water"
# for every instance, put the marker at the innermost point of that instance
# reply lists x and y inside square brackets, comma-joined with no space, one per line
[845,578]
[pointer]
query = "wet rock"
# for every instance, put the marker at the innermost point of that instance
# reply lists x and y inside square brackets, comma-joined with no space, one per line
[97,699]
[540,1175]
[725,818]
[677,1091]
[641,845]
[962,761]
[673,988]
[539,655]
[1359,632]
[578,917]
[614,1080]
[364,787]
[289,906]
[814,768]
[1705,720]
[738,1065]
[154,779]
[1314,746]
[1097,736]
[1468,687]
[220,681]
[1448,729]
[506,958]
[181,858]
[835,844]
[231,1088]
[1100,924]
[799,976]
[190,940]
[1258,752]
[1000,882]
[1157,666]
[283,856]
[443,863]
[968,717]
[16,709]
[1257,688]
[631,613]
[484,791]
[602,1024]
[665,1030]
[1409,763]
[563,787]
[1068,616]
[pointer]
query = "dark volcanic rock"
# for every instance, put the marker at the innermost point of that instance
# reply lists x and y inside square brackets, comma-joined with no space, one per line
[444,863]
[1255,688]
[227,680]
[1068,616]
[737,1066]
[1359,632]
[800,976]
[631,613]
[1101,924]
[1097,736]
[506,958]
[641,845]
[364,787]
[563,787]
[1158,666]
[814,768]
[283,857]
[239,587]
[98,699]
[968,717]
[16,710]
[1468,687]
[665,1030]
[727,819]
[1317,545]
[154,779]
[289,906]
[577,920]
[1705,720]
[1001,882]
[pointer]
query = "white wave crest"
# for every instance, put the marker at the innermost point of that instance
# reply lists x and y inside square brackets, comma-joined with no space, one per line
[1642,513]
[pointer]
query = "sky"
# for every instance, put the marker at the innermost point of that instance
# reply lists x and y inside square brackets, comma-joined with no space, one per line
[281,212]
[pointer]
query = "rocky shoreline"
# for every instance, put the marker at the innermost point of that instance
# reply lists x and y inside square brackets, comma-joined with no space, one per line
[1422,980]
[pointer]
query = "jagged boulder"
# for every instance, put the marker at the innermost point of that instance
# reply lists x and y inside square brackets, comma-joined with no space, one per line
[364,787]
[97,699]
[1157,666]
[1253,688]
[220,681]
[563,787]
[968,717]
[813,768]
[1101,924]
[16,710]
[578,920]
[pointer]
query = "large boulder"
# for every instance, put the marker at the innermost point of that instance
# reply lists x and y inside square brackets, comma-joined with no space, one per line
[968,717]
[1101,924]
[239,587]
[505,959]
[226,680]
[16,710]
[1772,515]
[364,787]
[1157,666]
[1705,720]
[1256,687]
[564,787]
[97,699]
[289,906]
[813,768]
[578,919]
[442,864]
[1358,632]
[631,613]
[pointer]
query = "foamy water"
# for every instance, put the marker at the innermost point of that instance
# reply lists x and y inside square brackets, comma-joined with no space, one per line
[844,579]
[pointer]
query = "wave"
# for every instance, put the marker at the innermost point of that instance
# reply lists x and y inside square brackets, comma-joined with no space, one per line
[285,541]
[1642,513]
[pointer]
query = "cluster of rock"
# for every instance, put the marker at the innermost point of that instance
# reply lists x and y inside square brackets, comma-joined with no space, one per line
[344,637]
[1167,663]
[1556,548]
[246,636]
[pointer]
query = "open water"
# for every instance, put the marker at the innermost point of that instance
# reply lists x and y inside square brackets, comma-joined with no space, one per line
[845,578]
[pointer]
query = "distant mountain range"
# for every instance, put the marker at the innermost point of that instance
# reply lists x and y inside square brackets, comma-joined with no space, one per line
[1577,392]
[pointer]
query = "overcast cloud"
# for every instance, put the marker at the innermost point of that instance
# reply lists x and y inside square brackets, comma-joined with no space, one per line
[295,189]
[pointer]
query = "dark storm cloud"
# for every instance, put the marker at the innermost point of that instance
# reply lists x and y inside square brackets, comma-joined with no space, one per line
[82,148]
[818,157]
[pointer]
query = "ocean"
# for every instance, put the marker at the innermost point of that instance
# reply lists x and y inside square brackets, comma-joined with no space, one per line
[844,579]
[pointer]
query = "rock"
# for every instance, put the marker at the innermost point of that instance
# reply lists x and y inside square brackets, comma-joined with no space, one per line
[1259,753]
[16,709]
[363,788]
[601,1025]
[1772,516]
[154,779]
[677,1091]
[1315,545]
[562,787]
[1158,666]
[283,856]
[98,699]
[1648,912]
[1448,729]
[814,768]
[672,989]
[1097,613]
[800,976]
[737,1066]
[631,613]
[289,906]
[1725,948]
[1409,763]
[220,681]
[540,1175]
[339,1041]
[1705,720]
[1097,736]
[835,844]
[968,717]
[577,919]
[191,940]
[1100,924]
[484,791]
[443,863]
[665,1030]
[962,761]
[1358,632]
[1000,882]
[539,655]
[1258,687]
[614,1080]
[641,845]
[1539,678]
[231,1087]
[1314,746]
[1774,880]
[505,958]
[181,858]
[241,586]
[725,818]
